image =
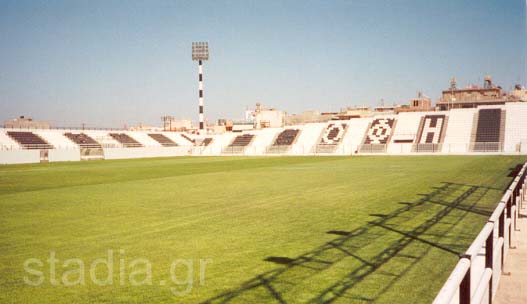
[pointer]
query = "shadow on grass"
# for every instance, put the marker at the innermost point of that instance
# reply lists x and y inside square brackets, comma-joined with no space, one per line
[372,257]
[514,171]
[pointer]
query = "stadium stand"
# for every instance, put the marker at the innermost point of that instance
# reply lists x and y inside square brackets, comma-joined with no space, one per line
[307,138]
[205,142]
[178,139]
[354,136]
[217,144]
[56,138]
[163,140]
[201,145]
[378,135]
[190,140]
[286,137]
[458,131]
[90,149]
[262,140]
[403,137]
[457,137]
[283,141]
[83,140]
[238,145]
[125,140]
[331,137]
[102,138]
[488,131]
[431,133]
[29,140]
[6,142]
[516,128]
[143,138]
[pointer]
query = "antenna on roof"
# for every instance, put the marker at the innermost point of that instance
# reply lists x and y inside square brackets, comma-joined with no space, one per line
[487,83]
[453,83]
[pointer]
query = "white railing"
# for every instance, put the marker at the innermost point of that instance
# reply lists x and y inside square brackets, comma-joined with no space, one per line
[474,280]
[340,149]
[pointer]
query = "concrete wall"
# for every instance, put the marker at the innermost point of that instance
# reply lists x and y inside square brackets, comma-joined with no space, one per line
[57,155]
[19,156]
[122,153]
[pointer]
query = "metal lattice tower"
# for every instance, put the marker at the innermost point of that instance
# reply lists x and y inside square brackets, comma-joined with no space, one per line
[200,53]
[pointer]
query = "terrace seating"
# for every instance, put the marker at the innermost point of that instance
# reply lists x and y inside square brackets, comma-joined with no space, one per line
[458,133]
[333,134]
[380,131]
[378,135]
[242,140]
[202,142]
[488,131]
[206,141]
[331,137]
[283,141]
[516,128]
[185,136]
[404,137]
[431,133]
[29,140]
[83,140]
[163,140]
[286,137]
[239,144]
[125,140]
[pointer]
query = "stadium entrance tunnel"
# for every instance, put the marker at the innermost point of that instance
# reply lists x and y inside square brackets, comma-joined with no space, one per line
[364,264]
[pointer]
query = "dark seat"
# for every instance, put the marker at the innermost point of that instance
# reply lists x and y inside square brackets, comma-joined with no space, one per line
[192,141]
[83,140]
[333,134]
[489,123]
[242,140]
[207,141]
[126,140]
[163,140]
[29,140]
[286,137]
[488,131]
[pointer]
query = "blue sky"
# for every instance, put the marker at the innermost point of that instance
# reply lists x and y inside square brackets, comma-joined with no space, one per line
[110,63]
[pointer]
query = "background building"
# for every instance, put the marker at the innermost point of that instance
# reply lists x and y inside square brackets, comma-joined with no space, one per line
[519,93]
[172,124]
[472,96]
[26,123]
[264,117]
[421,103]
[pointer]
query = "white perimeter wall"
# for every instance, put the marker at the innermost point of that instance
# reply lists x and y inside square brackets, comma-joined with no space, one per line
[57,155]
[19,156]
[120,153]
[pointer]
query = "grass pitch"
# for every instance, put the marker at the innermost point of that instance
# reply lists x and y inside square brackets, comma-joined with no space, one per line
[270,230]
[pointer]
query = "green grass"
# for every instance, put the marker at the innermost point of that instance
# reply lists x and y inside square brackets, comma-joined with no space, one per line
[295,229]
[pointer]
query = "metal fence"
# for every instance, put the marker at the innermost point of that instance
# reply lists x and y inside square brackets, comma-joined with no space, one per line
[476,276]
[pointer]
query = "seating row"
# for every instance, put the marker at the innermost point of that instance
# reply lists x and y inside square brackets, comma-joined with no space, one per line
[485,129]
